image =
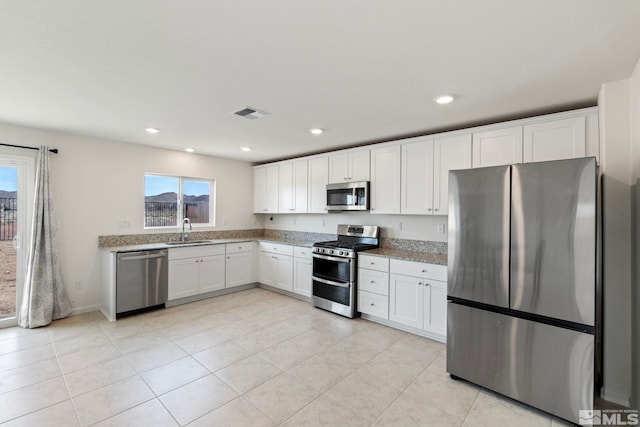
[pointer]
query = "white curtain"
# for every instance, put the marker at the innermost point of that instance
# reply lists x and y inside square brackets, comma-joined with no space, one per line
[44,298]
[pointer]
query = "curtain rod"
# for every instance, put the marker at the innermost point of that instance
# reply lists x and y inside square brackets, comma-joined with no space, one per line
[52,150]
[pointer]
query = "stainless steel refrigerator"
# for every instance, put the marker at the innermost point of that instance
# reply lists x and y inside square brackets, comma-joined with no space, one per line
[522,282]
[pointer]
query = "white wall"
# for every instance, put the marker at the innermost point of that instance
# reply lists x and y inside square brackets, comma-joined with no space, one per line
[635,221]
[615,128]
[96,183]
[414,227]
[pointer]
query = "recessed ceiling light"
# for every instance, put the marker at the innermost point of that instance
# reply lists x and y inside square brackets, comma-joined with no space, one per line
[245,148]
[152,130]
[444,99]
[189,150]
[316,131]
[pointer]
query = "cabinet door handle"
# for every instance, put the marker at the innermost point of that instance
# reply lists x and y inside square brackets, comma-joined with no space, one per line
[419,283]
[429,209]
[436,210]
[372,304]
[425,271]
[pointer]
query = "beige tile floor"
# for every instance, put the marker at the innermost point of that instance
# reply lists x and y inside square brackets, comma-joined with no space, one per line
[253,358]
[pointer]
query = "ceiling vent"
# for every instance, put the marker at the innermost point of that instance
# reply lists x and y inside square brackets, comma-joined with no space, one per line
[251,113]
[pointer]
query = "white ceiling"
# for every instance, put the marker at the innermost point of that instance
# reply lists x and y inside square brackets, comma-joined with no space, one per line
[364,70]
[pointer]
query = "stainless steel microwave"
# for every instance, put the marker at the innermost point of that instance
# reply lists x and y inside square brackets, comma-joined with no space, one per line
[348,196]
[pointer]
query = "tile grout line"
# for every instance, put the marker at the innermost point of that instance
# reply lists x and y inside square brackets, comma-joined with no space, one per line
[64,378]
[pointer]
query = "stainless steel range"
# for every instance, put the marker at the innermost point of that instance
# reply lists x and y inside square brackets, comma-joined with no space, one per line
[335,268]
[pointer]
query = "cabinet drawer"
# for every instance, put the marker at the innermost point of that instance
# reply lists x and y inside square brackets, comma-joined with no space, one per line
[419,269]
[373,281]
[302,252]
[235,248]
[276,248]
[373,262]
[195,251]
[373,304]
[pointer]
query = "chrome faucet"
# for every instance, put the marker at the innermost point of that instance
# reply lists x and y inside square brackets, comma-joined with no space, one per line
[185,236]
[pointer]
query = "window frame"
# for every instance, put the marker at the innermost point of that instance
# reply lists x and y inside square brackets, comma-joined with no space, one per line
[180,201]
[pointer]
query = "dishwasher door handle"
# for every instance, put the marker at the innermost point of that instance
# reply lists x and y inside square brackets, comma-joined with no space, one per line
[138,257]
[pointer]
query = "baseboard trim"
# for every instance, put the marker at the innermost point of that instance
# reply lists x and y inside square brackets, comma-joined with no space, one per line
[615,397]
[415,331]
[199,297]
[86,309]
[283,292]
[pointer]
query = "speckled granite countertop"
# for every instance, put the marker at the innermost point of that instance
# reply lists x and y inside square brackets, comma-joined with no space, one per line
[152,246]
[287,241]
[429,257]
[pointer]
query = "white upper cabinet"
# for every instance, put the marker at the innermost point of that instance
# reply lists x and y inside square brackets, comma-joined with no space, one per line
[349,166]
[385,180]
[265,189]
[293,186]
[554,140]
[411,176]
[417,177]
[425,172]
[497,147]
[318,180]
[449,153]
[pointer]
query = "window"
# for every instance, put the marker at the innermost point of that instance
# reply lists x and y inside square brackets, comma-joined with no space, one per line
[170,199]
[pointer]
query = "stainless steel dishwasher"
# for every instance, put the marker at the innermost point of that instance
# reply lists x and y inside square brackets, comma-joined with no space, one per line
[141,281]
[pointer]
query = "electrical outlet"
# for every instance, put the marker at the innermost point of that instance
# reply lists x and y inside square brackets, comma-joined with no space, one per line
[441,228]
[224,221]
[125,223]
[399,225]
[79,284]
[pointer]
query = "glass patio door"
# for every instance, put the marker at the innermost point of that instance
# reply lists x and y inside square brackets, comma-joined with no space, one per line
[16,199]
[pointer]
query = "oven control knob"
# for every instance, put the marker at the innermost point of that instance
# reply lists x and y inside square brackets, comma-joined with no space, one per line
[343,253]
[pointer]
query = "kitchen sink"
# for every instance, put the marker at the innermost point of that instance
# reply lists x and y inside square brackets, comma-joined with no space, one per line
[188,242]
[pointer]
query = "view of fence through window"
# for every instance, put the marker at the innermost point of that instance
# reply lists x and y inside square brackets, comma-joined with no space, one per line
[161,204]
[8,230]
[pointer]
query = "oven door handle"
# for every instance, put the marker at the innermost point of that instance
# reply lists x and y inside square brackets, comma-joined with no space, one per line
[332,258]
[329,282]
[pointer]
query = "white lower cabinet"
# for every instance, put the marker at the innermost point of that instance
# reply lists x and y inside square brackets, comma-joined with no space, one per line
[418,296]
[302,270]
[373,286]
[435,307]
[406,301]
[276,265]
[373,304]
[196,270]
[239,264]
